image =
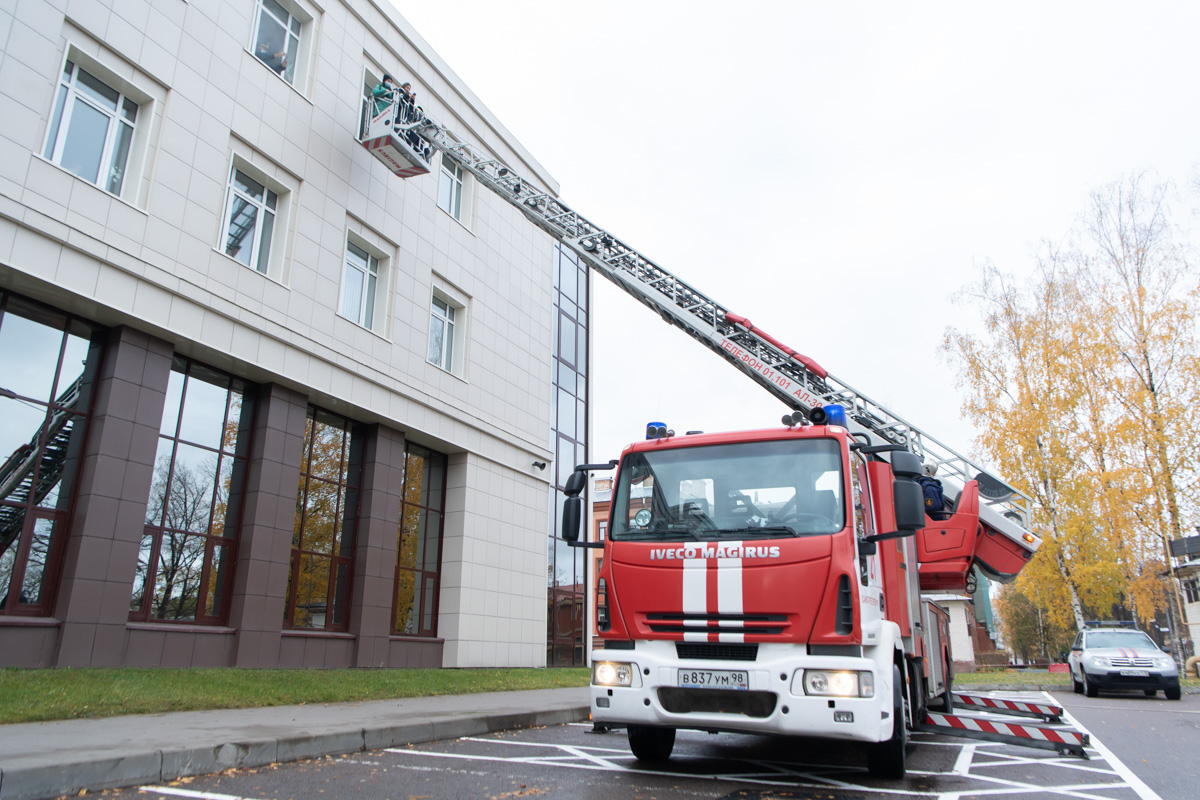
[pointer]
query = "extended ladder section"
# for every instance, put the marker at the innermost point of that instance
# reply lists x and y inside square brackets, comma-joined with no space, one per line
[798,381]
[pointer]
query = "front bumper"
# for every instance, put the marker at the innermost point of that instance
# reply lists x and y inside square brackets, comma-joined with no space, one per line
[774,703]
[1112,680]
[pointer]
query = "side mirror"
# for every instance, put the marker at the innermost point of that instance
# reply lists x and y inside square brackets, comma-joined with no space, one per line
[572,516]
[910,504]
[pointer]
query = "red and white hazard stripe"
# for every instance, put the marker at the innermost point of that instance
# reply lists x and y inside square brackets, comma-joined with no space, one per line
[1039,709]
[1052,735]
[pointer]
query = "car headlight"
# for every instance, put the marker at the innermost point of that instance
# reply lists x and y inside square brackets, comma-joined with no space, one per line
[1164,663]
[1099,661]
[835,683]
[612,673]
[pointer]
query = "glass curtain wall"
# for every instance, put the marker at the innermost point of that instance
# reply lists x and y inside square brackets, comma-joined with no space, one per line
[185,567]
[50,361]
[566,578]
[419,549]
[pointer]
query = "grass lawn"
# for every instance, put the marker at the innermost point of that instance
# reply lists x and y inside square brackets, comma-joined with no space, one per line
[32,695]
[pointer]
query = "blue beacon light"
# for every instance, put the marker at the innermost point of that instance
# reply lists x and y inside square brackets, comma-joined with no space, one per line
[655,430]
[835,415]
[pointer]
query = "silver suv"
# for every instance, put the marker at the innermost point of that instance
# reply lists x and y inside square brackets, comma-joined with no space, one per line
[1102,659]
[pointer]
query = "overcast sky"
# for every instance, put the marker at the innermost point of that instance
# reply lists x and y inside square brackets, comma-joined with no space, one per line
[836,172]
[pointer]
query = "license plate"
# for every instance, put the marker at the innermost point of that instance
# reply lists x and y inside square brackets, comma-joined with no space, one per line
[714,679]
[1135,673]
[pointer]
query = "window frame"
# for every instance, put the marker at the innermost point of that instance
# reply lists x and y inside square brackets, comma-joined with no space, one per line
[298,27]
[373,288]
[64,106]
[220,568]
[422,575]
[452,174]
[452,298]
[340,559]
[32,510]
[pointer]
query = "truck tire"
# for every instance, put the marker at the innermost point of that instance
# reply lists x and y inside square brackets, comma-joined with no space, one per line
[917,693]
[946,703]
[886,759]
[650,743]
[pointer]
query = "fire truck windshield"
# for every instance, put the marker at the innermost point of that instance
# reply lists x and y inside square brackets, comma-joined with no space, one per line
[792,487]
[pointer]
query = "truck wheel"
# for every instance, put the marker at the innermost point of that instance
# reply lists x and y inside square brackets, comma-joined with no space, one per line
[651,744]
[917,694]
[886,759]
[1172,692]
[946,704]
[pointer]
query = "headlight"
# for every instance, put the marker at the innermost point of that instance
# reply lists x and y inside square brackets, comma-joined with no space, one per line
[1164,663]
[612,673]
[839,683]
[1099,661]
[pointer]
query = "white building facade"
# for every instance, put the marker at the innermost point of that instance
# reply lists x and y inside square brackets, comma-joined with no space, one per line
[262,402]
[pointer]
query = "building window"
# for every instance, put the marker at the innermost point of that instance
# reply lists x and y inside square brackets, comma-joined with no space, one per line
[450,192]
[50,360]
[602,530]
[249,221]
[185,567]
[323,538]
[277,38]
[419,549]
[441,333]
[567,577]
[91,129]
[1192,589]
[359,280]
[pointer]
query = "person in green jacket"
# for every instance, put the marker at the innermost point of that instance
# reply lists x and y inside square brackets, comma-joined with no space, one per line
[384,94]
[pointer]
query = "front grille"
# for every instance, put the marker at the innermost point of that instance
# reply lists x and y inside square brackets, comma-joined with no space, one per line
[748,624]
[1139,663]
[716,652]
[717,701]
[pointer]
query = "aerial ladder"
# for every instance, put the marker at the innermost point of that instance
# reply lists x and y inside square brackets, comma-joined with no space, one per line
[403,137]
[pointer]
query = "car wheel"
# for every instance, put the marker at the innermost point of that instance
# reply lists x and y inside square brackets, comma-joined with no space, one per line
[1089,688]
[1172,692]
[1076,685]
[886,759]
[651,744]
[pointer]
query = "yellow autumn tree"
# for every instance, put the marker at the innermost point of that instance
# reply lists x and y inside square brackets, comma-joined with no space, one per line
[1135,268]
[1029,394]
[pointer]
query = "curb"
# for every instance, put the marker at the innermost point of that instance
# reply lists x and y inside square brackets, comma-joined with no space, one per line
[158,766]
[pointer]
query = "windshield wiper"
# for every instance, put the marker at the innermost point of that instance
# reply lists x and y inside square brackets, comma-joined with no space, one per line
[658,533]
[766,530]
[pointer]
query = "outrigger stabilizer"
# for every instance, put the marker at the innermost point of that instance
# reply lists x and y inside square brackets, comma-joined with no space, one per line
[1061,738]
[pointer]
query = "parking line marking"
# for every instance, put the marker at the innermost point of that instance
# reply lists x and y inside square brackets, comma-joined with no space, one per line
[1135,783]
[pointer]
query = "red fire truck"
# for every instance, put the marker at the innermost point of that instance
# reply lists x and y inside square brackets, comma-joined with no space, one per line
[768,581]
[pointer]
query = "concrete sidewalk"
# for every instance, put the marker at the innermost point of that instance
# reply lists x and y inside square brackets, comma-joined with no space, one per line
[49,759]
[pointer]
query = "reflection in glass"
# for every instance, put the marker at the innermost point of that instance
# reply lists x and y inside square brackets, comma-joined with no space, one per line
[323,536]
[30,356]
[418,550]
[191,509]
[42,415]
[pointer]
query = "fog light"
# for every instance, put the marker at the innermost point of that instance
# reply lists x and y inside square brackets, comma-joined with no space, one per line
[843,716]
[602,702]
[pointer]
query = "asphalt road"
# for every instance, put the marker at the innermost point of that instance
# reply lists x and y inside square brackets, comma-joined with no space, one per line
[1155,738]
[571,762]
